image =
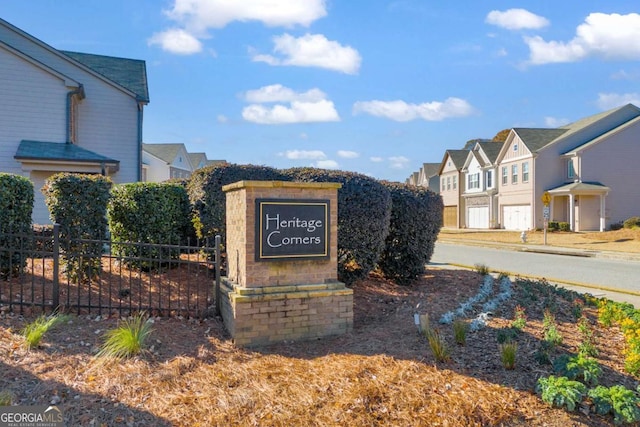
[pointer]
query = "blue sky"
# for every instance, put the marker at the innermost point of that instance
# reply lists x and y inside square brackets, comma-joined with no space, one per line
[377,87]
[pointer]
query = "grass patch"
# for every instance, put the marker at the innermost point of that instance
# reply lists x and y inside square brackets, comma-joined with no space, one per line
[34,331]
[127,340]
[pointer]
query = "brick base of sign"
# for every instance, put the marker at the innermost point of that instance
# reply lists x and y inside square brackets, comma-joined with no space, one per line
[267,315]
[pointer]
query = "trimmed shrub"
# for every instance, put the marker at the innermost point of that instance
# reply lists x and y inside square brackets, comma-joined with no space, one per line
[16,206]
[633,222]
[364,210]
[416,218]
[208,199]
[148,214]
[616,226]
[79,204]
[564,226]
[553,226]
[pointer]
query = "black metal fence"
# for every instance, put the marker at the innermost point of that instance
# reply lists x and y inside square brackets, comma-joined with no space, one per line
[126,277]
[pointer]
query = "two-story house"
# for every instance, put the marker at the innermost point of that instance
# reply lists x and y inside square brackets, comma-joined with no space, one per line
[161,162]
[481,189]
[68,112]
[589,167]
[452,187]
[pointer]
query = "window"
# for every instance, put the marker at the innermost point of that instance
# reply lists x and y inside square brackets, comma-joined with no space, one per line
[505,176]
[474,181]
[571,173]
[73,120]
[489,179]
[515,147]
[514,174]
[525,172]
[442,186]
[455,182]
[448,183]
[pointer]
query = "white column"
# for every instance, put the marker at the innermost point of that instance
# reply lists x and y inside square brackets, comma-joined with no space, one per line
[572,212]
[602,212]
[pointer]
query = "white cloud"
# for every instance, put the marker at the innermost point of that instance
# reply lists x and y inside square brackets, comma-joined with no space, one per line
[176,41]
[516,19]
[305,107]
[196,17]
[304,155]
[297,112]
[607,101]
[398,162]
[608,36]
[222,118]
[326,164]
[554,122]
[402,112]
[348,154]
[626,75]
[312,50]
[376,159]
[201,14]
[279,93]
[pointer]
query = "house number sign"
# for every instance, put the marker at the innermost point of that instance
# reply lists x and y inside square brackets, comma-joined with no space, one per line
[292,229]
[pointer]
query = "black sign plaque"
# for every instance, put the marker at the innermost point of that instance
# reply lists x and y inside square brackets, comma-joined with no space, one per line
[292,229]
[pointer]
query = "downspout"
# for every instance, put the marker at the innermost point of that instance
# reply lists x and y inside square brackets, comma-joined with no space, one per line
[140,116]
[79,91]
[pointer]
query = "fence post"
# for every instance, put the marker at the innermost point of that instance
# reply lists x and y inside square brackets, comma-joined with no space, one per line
[218,266]
[56,267]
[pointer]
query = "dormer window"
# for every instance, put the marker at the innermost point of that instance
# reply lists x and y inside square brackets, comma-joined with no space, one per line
[515,147]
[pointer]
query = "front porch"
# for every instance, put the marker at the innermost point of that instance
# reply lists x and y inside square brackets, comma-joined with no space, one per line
[581,204]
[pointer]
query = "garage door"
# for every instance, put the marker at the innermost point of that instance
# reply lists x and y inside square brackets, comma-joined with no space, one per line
[516,217]
[478,217]
[450,216]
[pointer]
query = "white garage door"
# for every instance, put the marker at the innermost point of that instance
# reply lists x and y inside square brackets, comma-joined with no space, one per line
[478,217]
[516,217]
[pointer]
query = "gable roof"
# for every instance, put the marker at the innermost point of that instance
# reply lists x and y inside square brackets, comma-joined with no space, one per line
[491,149]
[42,150]
[458,157]
[430,169]
[128,73]
[196,158]
[602,137]
[537,138]
[166,152]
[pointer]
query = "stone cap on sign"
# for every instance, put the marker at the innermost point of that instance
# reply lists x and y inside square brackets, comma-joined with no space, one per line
[280,184]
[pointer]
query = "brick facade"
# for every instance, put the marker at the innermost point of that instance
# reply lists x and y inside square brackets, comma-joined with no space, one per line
[267,302]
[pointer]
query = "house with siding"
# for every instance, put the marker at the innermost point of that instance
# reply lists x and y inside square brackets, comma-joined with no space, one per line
[589,168]
[480,193]
[452,187]
[161,162]
[68,112]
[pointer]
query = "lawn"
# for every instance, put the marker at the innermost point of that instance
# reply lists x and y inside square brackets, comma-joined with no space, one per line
[381,373]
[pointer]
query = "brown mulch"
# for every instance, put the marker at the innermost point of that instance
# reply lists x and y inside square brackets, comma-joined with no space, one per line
[162,387]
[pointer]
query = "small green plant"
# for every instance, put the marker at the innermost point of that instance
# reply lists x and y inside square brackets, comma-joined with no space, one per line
[481,269]
[127,339]
[577,308]
[561,391]
[551,333]
[34,331]
[6,398]
[587,346]
[519,318]
[580,367]
[438,345]
[508,352]
[617,400]
[460,329]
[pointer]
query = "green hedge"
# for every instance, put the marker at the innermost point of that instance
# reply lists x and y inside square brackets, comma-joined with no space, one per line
[364,209]
[16,206]
[148,214]
[416,219]
[208,199]
[79,204]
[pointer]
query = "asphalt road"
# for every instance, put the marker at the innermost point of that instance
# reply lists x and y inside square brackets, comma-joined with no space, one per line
[589,273]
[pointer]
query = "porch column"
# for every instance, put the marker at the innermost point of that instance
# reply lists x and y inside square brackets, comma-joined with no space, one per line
[572,212]
[602,212]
